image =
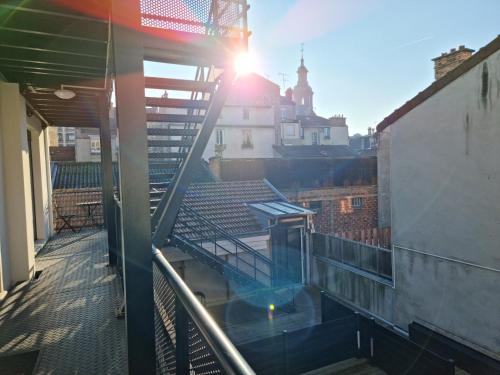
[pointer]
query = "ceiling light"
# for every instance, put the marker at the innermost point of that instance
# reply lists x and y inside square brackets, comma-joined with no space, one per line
[64,94]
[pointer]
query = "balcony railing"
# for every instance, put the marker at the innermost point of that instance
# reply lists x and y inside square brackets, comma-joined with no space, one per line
[368,258]
[188,341]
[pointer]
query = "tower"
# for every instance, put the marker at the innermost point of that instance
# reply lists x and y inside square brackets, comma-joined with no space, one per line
[302,92]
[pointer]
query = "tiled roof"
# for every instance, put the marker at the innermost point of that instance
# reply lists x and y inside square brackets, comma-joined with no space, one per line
[439,84]
[78,175]
[224,203]
[317,151]
[82,175]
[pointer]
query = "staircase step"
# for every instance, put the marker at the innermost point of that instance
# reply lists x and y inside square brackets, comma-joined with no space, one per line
[172,132]
[167,155]
[163,165]
[176,103]
[341,368]
[178,84]
[161,185]
[170,143]
[174,118]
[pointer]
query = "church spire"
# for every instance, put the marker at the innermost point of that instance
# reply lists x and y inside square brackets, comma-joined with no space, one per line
[302,92]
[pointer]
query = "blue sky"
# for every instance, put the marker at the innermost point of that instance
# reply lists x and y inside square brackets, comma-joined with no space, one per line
[365,57]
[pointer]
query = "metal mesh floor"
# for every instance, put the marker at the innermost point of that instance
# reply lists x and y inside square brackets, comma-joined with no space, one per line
[68,312]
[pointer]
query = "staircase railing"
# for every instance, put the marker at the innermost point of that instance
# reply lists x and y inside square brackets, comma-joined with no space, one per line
[195,229]
[188,341]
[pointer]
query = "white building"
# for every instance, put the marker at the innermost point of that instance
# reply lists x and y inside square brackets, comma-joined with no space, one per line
[300,125]
[439,180]
[247,127]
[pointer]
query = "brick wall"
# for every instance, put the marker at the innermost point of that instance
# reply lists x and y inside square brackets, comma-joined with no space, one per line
[450,60]
[335,207]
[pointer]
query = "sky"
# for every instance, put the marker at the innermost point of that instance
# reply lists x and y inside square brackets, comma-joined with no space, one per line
[365,57]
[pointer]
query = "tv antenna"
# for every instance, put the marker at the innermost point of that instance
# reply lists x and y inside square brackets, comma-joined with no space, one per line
[284,79]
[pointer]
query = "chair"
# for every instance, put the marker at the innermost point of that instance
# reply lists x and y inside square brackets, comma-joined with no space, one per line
[66,218]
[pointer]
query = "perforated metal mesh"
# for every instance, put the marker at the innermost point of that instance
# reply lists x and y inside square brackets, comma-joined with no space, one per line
[164,323]
[201,358]
[218,17]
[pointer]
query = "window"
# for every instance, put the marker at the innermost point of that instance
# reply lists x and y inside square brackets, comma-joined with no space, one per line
[315,138]
[290,131]
[247,139]
[95,145]
[246,113]
[301,131]
[219,136]
[326,133]
[357,202]
[283,113]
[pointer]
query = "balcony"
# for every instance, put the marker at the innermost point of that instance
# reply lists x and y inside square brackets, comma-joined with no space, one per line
[63,321]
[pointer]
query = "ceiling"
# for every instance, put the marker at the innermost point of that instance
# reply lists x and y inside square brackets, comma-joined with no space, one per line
[47,44]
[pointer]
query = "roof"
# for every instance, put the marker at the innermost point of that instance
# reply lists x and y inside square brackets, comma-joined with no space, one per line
[439,84]
[225,204]
[313,120]
[86,175]
[316,151]
[280,209]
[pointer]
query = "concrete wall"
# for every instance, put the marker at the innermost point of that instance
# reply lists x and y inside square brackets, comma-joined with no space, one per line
[444,179]
[364,292]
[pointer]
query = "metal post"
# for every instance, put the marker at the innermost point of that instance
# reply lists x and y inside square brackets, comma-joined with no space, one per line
[181,339]
[358,333]
[285,352]
[107,180]
[134,186]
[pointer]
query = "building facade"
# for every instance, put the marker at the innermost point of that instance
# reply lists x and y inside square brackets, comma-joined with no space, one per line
[248,124]
[443,202]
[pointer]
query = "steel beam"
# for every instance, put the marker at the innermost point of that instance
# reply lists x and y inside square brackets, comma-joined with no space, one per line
[107,181]
[134,189]
[166,213]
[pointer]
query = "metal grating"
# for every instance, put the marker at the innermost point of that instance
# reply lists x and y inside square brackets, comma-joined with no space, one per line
[202,359]
[164,323]
[219,17]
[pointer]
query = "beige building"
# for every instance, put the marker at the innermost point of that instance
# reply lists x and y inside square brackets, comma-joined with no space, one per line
[248,124]
[25,192]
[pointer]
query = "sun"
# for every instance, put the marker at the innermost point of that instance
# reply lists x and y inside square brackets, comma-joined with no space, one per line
[244,64]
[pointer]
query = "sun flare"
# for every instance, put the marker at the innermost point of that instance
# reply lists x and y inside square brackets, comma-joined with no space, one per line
[244,64]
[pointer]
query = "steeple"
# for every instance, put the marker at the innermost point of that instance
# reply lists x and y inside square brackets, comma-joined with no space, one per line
[302,92]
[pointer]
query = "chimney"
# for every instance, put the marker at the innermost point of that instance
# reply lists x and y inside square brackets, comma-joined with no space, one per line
[450,60]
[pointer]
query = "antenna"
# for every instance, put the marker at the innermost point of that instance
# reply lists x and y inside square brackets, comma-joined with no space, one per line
[284,78]
[302,51]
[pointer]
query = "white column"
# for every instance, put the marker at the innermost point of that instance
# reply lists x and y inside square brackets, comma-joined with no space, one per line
[18,217]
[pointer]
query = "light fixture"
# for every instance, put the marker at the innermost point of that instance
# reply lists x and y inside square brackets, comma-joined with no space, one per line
[64,94]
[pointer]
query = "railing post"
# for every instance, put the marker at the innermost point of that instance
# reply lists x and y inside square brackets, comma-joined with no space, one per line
[284,337]
[181,339]
[371,330]
[358,333]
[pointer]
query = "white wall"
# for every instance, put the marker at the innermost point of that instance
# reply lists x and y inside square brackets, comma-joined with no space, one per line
[17,220]
[339,135]
[260,123]
[445,198]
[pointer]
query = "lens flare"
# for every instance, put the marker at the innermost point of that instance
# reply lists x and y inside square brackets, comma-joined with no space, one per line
[244,64]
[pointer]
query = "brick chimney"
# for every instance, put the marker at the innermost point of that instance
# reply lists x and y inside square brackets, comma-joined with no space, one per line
[450,60]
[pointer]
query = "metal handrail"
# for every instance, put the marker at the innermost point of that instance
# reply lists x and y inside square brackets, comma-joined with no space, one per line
[228,356]
[226,235]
